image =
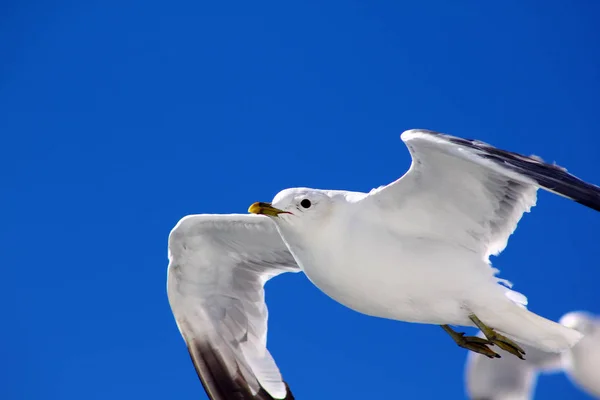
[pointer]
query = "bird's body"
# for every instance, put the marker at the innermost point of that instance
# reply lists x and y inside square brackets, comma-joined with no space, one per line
[404,277]
[415,250]
[351,273]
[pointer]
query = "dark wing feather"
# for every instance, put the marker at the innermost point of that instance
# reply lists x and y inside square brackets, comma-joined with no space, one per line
[551,177]
[216,379]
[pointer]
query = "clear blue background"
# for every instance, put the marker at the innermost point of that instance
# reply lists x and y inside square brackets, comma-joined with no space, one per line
[120,117]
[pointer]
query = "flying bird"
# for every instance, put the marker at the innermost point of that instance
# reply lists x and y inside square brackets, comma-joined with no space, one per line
[582,362]
[507,378]
[416,250]
[513,379]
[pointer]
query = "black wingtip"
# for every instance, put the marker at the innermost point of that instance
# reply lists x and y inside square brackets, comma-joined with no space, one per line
[216,379]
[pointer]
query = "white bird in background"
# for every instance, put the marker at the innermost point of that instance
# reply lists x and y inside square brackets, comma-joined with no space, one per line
[513,379]
[582,362]
[507,378]
[415,250]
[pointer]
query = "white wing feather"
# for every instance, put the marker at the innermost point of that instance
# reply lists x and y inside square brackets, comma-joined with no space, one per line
[450,192]
[470,192]
[217,271]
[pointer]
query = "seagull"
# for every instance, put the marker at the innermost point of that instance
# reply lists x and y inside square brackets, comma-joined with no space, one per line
[582,362]
[508,378]
[513,379]
[416,250]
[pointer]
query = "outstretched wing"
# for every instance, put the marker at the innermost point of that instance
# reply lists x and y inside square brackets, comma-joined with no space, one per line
[471,192]
[217,271]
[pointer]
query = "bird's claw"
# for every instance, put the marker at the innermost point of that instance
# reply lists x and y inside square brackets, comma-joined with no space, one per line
[499,340]
[476,344]
[507,345]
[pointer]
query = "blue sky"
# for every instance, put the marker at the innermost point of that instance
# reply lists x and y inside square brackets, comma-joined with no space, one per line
[118,118]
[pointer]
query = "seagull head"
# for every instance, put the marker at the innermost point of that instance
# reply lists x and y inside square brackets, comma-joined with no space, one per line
[295,206]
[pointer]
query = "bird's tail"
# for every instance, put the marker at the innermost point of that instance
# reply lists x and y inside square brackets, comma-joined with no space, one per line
[526,327]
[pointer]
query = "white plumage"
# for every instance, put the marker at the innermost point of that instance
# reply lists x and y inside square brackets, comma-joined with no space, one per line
[415,250]
[218,267]
[582,362]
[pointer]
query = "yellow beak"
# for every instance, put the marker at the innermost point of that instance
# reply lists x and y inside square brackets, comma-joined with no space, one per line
[265,209]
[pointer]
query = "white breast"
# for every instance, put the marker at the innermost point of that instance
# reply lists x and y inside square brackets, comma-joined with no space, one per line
[369,269]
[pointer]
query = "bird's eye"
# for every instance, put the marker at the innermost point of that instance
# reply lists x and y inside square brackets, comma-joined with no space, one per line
[305,203]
